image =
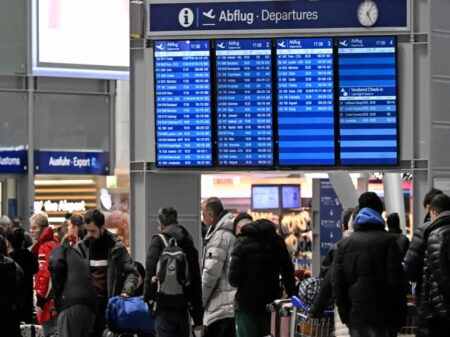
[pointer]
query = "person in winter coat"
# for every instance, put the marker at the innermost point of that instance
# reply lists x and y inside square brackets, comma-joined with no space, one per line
[435,301]
[11,290]
[241,220]
[258,259]
[217,293]
[368,279]
[30,266]
[73,291]
[112,269]
[45,240]
[413,261]
[393,223]
[17,223]
[175,321]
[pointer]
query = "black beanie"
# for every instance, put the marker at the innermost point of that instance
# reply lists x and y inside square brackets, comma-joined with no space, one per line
[370,200]
[240,217]
[393,221]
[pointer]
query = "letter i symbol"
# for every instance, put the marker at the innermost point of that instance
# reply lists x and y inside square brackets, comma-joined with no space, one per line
[186,17]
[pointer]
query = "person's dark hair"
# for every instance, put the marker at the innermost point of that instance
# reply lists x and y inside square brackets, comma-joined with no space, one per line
[3,247]
[95,216]
[17,222]
[430,195]
[393,221]
[241,216]
[346,215]
[140,268]
[16,236]
[371,200]
[440,203]
[76,220]
[214,205]
[167,216]
[67,216]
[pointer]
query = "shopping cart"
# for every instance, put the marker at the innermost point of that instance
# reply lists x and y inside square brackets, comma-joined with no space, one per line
[410,329]
[303,325]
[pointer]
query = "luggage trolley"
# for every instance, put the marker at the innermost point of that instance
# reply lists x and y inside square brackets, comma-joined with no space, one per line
[302,325]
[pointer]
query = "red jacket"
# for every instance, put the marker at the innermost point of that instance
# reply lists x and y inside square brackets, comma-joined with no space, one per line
[43,250]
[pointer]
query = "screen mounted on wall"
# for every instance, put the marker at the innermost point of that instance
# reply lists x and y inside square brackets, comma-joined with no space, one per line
[305,102]
[265,197]
[368,110]
[83,38]
[183,103]
[244,102]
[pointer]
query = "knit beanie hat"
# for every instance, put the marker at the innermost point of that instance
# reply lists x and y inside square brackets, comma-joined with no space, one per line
[370,200]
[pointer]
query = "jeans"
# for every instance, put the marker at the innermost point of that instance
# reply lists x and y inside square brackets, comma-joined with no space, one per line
[49,326]
[100,322]
[76,321]
[221,328]
[172,323]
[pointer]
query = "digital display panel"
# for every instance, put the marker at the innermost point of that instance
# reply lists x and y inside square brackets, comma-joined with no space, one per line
[305,101]
[183,103]
[244,102]
[290,196]
[265,197]
[368,101]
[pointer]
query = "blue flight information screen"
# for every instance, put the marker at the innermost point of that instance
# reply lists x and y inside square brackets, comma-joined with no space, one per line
[183,103]
[305,101]
[244,102]
[368,101]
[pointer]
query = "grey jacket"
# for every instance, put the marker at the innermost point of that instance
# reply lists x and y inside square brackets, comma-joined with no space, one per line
[122,275]
[217,294]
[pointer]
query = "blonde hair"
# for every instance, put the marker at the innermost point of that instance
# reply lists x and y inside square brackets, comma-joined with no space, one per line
[40,219]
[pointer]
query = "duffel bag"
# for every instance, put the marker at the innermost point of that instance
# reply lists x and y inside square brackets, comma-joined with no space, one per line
[129,315]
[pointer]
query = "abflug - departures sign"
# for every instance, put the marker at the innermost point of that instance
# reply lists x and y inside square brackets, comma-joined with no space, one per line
[270,15]
[52,162]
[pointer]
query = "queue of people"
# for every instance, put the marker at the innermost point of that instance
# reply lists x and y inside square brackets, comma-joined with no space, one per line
[244,266]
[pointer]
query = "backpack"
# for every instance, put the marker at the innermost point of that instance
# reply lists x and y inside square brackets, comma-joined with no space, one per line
[172,276]
[309,290]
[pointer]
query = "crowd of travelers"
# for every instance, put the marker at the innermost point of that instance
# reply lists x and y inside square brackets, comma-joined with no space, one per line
[63,281]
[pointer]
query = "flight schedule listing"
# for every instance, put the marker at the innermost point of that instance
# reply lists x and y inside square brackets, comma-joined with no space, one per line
[368,101]
[183,103]
[305,101]
[244,102]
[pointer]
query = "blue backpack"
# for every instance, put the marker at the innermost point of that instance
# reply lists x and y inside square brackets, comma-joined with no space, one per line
[129,315]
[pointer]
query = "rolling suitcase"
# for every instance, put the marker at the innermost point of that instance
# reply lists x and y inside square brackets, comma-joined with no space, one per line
[280,318]
[31,330]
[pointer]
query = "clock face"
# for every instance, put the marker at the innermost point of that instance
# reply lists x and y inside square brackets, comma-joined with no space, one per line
[367,13]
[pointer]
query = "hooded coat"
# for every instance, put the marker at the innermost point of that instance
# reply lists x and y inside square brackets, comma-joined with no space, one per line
[42,285]
[259,258]
[368,279]
[435,293]
[217,293]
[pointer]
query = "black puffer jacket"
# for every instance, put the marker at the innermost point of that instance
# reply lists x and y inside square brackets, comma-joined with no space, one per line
[259,257]
[402,240]
[71,279]
[436,275]
[368,278]
[413,261]
[184,240]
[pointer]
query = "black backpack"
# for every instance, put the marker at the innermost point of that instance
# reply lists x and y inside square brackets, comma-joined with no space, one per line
[172,276]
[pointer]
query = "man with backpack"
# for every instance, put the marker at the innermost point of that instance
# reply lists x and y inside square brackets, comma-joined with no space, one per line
[217,293]
[172,283]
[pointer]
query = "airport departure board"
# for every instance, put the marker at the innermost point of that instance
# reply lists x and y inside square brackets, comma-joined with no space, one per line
[244,102]
[368,101]
[305,102]
[183,103]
